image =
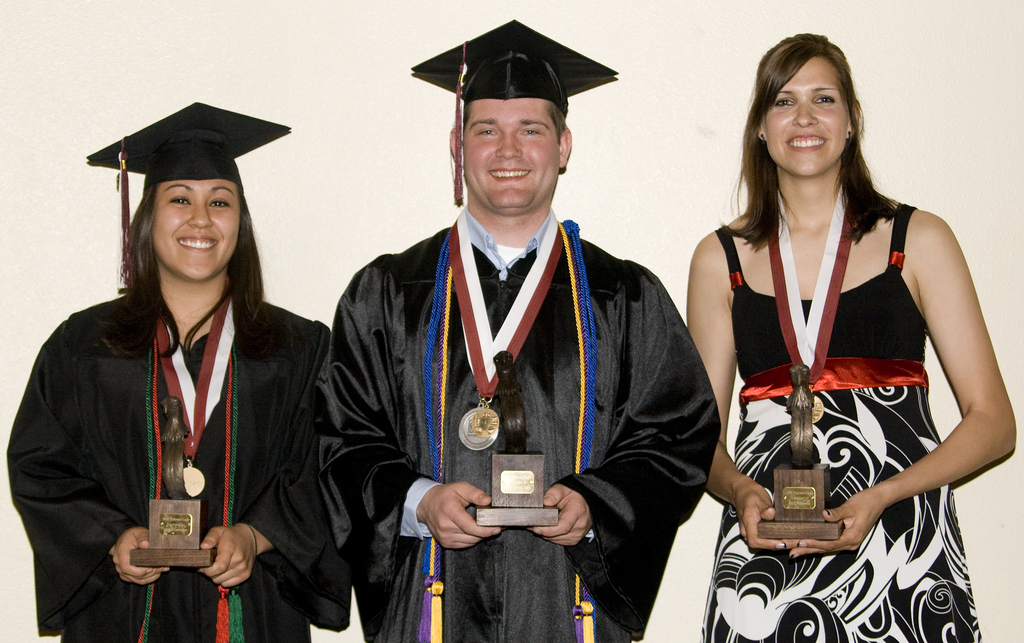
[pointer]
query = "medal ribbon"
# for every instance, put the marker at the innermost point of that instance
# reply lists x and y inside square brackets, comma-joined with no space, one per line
[198,402]
[516,326]
[807,341]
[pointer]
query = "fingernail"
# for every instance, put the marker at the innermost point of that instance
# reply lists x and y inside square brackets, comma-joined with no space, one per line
[828,512]
[780,545]
[800,543]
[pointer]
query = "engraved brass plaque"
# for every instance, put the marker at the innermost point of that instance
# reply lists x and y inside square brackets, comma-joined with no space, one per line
[516,482]
[798,497]
[175,525]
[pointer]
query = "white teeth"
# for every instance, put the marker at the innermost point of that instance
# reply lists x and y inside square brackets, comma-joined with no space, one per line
[509,175]
[200,245]
[809,142]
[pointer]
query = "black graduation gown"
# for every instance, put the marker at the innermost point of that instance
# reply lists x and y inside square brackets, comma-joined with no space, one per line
[79,476]
[655,430]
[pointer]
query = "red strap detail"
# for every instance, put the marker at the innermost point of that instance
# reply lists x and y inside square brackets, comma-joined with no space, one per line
[736,279]
[896,259]
[828,316]
[839,373]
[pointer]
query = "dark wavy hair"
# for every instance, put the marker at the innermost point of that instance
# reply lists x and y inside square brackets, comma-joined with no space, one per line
[759,174]
[132,327]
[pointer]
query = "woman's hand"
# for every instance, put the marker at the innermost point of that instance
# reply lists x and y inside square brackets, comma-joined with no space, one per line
[133,538]
[858,515]
[236,553]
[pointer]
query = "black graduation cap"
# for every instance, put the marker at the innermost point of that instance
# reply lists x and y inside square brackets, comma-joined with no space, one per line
[197,143]
[514,61]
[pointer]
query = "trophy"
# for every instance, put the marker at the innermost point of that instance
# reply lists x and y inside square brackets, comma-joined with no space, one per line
[801,488]
[176,526]
[517,475]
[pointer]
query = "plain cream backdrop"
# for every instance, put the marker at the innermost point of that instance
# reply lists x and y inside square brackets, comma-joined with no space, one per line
[366,171]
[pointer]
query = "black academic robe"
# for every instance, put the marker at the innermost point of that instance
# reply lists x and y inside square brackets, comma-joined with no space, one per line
[78,465]
[655,430]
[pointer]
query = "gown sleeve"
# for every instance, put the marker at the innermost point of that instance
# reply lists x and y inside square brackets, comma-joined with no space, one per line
[289,512]
[665,426]
[70,521]
[365,474]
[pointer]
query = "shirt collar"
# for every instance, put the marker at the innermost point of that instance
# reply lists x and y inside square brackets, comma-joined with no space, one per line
[484,241]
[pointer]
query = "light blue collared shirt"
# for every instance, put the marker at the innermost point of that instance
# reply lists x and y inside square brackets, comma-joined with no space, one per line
[485,243]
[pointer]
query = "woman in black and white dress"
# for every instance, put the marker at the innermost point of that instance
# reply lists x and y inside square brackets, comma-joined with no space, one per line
[759,300]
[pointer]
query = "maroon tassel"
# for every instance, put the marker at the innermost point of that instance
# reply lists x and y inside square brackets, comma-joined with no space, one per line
[126,244]
[458,129]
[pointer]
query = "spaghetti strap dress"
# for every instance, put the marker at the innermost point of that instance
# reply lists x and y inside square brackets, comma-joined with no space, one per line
[908,581]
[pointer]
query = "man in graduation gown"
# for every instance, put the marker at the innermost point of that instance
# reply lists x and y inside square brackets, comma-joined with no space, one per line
[626,453]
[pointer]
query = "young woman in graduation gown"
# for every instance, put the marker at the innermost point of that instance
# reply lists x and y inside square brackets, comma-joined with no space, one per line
[898,570]
[84,455]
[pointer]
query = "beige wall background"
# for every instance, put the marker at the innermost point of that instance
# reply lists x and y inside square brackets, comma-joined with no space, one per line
[366,171]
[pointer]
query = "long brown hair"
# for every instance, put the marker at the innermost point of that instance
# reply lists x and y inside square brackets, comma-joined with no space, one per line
[132,327]
[759,174]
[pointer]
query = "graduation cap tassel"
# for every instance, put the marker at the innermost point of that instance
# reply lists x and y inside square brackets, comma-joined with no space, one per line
[126,246]
[458,129]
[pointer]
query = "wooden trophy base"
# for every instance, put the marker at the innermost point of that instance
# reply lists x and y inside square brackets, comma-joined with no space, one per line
[175,532]
[801,495]
[491,516]
[517,493]
[799,530]
[173,557]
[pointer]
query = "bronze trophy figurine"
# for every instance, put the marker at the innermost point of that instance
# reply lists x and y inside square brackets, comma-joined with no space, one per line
[801,489]
[517,475]
[177,525]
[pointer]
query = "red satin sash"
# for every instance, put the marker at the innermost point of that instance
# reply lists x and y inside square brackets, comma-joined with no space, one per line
[839,373]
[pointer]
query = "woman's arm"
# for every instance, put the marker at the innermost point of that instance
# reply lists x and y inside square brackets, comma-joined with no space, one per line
[709,318]
[939,280]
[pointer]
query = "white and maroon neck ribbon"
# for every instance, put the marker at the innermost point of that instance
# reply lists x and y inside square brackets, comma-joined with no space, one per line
[476,327]
[807,340]
[198,402]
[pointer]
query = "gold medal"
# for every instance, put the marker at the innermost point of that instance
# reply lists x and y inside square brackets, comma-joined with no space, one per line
[818,411]
[194,479]
[484,422]
[478,428]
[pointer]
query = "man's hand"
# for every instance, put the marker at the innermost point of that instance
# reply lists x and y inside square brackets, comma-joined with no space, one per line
[443,511]
[573,516]
[236,553]
[134,538]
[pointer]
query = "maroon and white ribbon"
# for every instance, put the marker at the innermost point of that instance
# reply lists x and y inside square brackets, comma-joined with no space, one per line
[479,343]
[807,340]
[199,400]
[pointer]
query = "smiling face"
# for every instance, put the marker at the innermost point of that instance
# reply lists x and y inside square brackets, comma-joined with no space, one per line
[195,230]
[512,158]
[807,126]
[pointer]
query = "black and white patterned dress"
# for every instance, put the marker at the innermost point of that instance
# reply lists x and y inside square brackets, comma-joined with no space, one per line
[908,581]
